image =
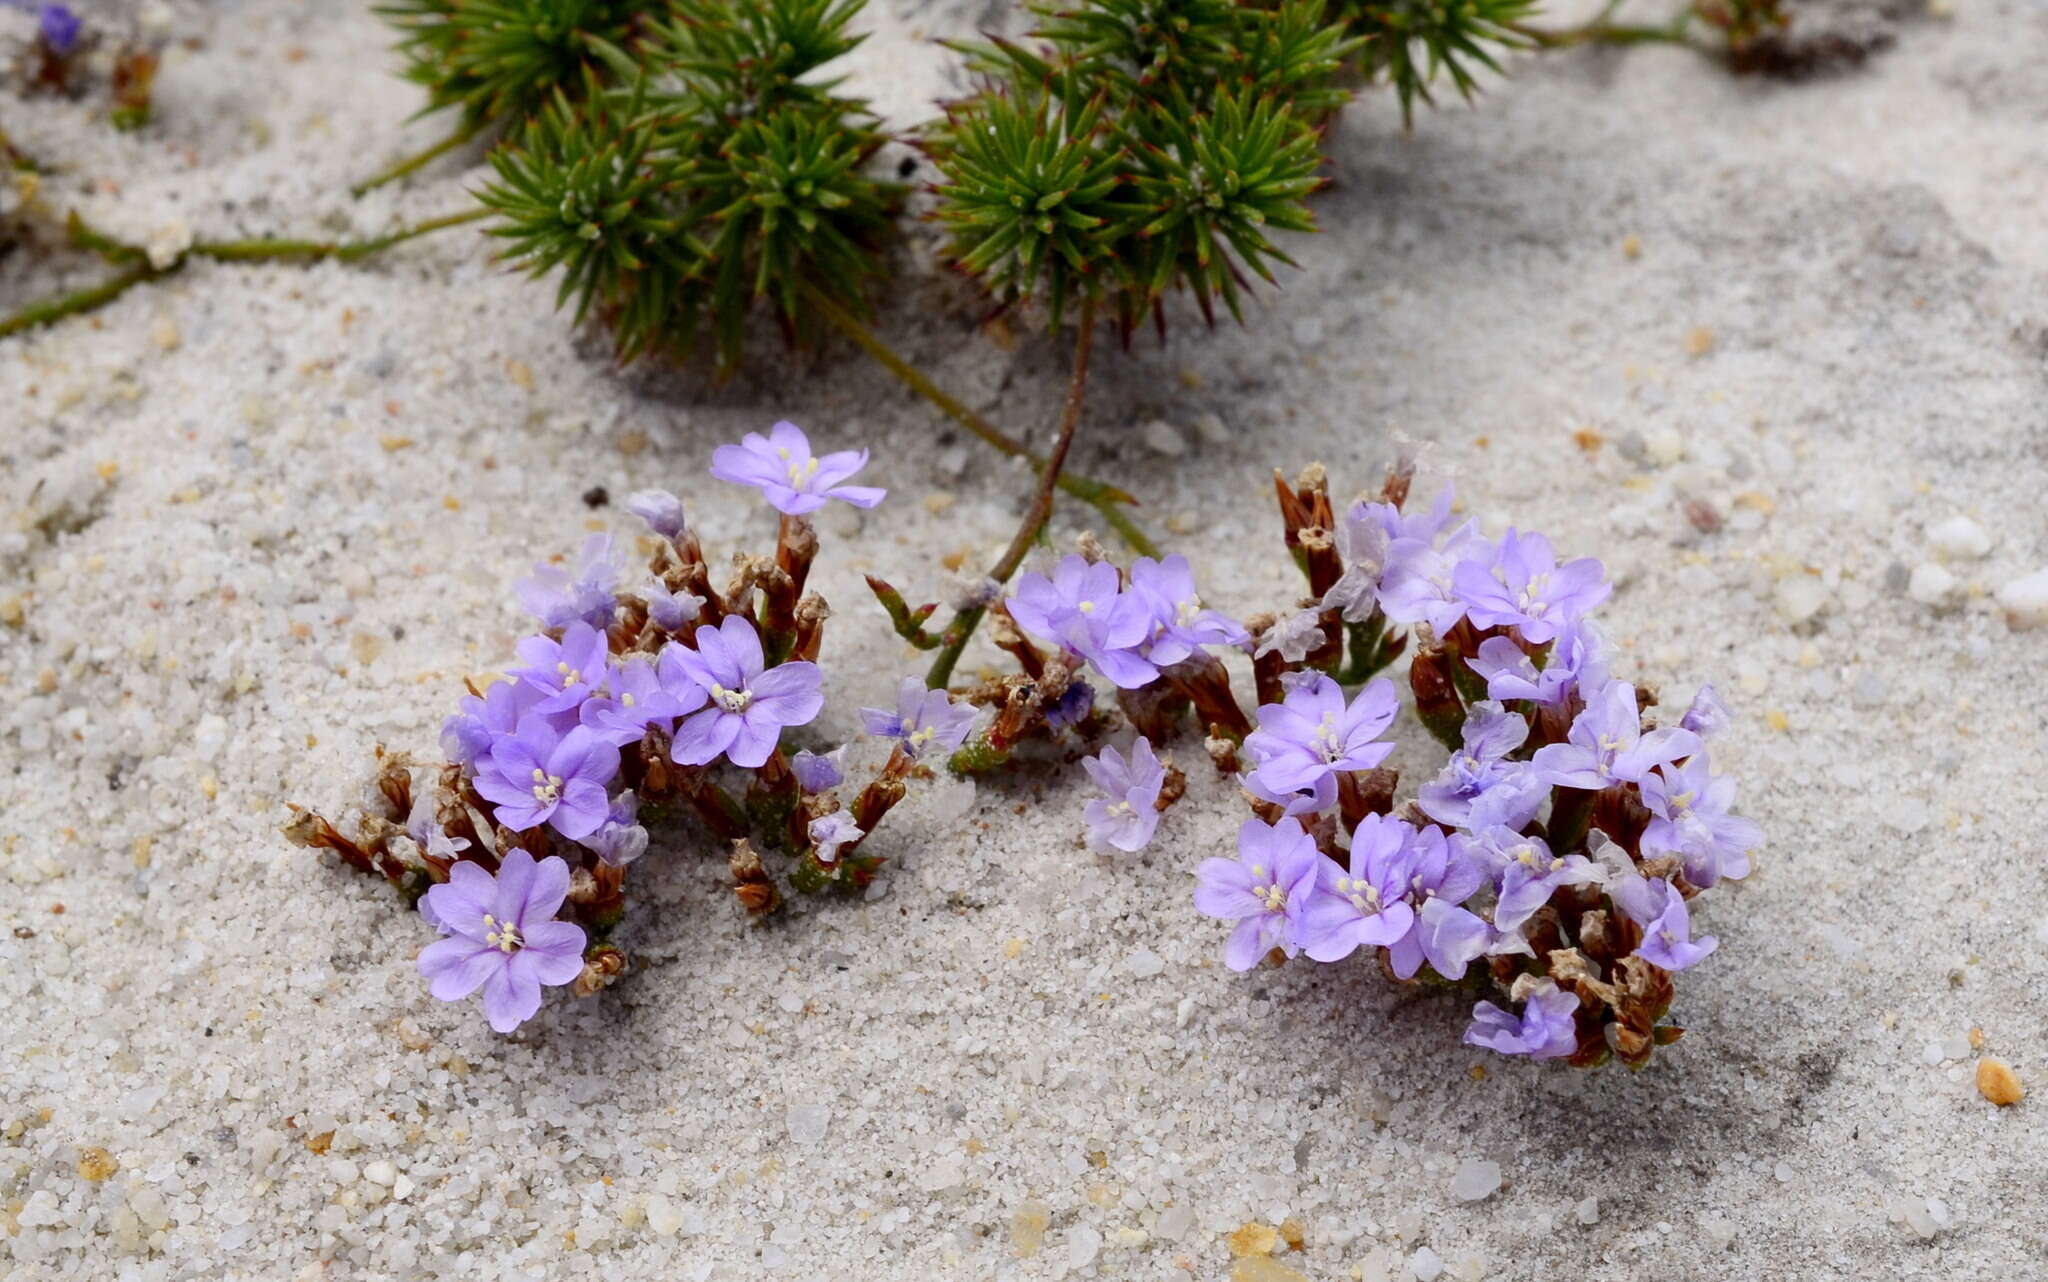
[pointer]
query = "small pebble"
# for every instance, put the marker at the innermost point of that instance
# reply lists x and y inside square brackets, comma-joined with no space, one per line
[96,1164]
[664,1216]
[1164,438]
[1930,584]
[1259,1268]
[1027,1227]
[1476,1180]
[1425,1264]
[1588,1211]
[1959,538]
[1253,1239]
[1799,597]
[2026,601]
[1998,1083]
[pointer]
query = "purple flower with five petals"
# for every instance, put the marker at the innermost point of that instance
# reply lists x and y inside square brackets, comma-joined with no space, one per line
[1524,587]
[1312,734]
[1127,818]
[1181,624]
[1578,661]
[1606,744]
[1439,876]
[1525,875]
[1656,905]
[1688,806]
[640,693]
[541,775]
[922,718]
[1479,787]
[1417,585]
[793,480]
[501,935]
[568,671]
[557,599]
[1365,905]
[1544,1030]
[1083,608]
[1265,890]
[482,720]
[830,832]
[750,704]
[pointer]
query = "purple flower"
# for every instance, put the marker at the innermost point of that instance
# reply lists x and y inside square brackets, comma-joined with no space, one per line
[557,599]
[922,718]
[1265,890]
[568,671]
[1440,876]
[1417,585]
[793,480]
[1181,624]
[1606,744]
[1362,546]
[1479,787]
[815,773]
[640,693]
[541,775]
[1545,1029]
[1073,705]
[670,610]
[832,831]
[424,827]
[1526,588]
[1127,818]
[1707,716]
[662,511]
[748,707]
[1525,875]
[482,719]
[1316,797]
[1366,905]
[1688,805]
[1655,904]
[501,936]
[59,28]
[1312,734]
[619,840]
[1419,527]
[1083,609]
[1578,661]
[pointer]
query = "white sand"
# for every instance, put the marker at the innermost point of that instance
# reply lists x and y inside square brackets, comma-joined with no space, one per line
[236,579]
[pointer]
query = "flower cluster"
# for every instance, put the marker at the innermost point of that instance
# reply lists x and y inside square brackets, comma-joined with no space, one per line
[1552,858]
[633,701]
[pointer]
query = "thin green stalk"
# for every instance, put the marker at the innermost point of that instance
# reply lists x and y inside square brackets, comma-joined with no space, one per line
[1601,31]
[139,268]
[965,622]
[76,303]
[411,163]
[1104,498]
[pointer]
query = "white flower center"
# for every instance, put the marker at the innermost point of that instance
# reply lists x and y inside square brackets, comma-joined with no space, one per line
[1530,601]
[1681,803]
[1364,896]
[502,935]
[626,700]
[1086,607]
[569,675]
[547,788]
[1328,741]
[732,700]
[1274,898]
[919,738]
[799,472]
[1185,612]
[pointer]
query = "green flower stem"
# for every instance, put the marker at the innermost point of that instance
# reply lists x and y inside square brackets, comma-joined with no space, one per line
[414,162]
[1104,498]
[139,268]
[964,623]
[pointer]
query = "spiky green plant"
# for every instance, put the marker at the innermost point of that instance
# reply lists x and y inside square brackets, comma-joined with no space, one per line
[1408,43]
[1131,148]
[504,60]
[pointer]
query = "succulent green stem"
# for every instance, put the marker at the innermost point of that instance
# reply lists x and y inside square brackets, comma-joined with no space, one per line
[138,268]
[1104,498]
[964,623]
[420,159]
